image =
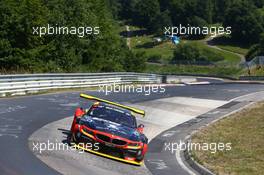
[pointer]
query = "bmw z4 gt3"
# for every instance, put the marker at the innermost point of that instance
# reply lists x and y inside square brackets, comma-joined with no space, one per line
[114,127]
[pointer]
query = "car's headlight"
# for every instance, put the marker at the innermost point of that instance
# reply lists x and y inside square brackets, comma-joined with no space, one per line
[139,153]
[133,144]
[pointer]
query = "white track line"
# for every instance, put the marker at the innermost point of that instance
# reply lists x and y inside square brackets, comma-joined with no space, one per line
[183,166]
[198,83]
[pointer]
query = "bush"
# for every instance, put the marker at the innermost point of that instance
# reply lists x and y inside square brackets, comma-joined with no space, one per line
[155,59]
[188,54]
[256,49]
[20,49]
[197,22]
[195,53]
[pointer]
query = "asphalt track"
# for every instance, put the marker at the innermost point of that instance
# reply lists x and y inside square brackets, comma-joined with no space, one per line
[22,116]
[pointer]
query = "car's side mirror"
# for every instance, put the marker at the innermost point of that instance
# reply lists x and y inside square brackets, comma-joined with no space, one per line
[79,112]
[140,128]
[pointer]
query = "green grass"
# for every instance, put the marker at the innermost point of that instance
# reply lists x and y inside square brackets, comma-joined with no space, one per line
[132,28]
[257,72]
[165,50]
[194,69]
[236,49]
[146,44]
[225,42]
[244,130]
[227,66]
[228,59]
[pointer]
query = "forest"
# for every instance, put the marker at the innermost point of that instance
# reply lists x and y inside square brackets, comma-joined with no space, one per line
[21,51]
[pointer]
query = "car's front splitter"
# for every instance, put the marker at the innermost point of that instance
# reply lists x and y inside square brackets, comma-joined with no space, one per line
[108,156]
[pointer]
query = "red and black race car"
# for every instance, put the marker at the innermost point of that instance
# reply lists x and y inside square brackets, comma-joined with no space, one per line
[113,127]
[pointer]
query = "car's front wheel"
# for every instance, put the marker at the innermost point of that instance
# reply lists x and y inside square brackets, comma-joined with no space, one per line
[70,139]
[140,155]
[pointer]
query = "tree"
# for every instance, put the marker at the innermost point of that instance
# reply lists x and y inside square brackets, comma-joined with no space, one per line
[180,11]
[162,20]
[246,22]
[219,9]
[22,50]
[258,3]
[115,7]
[187,53]
[127,10]
[197,22]
[135,61]
[256,49]
[204,10]
[146,14]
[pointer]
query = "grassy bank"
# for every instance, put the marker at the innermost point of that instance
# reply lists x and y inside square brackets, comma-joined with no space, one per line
[194,69]
[142,42]
[258,72]
[245,131]
[232,48]
[227,58]
[225,42]
[146,44]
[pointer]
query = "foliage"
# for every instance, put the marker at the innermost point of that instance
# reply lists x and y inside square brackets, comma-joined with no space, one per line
[245,20]
[243,16]
[155,59]
[257,49]
[186,52]
[193,69]
[20,49]
[192,53]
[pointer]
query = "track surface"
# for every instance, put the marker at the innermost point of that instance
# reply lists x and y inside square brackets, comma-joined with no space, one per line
[20,117]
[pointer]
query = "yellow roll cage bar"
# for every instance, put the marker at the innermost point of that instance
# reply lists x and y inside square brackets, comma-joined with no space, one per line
[89,97]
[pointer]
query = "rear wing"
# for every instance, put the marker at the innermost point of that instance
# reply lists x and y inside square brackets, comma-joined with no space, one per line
[89,97]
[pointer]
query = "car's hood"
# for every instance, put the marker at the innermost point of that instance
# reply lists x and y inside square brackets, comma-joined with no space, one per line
[113,128]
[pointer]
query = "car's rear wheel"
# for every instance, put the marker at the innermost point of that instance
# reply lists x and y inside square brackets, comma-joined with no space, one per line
[73,138]
[77,137]
[70,139]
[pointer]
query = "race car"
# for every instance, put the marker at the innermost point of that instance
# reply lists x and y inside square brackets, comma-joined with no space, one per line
[113,127]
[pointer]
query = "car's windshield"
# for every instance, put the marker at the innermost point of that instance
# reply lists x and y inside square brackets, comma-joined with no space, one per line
[113,115]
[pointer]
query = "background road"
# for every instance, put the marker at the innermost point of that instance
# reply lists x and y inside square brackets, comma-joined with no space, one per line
[20,117]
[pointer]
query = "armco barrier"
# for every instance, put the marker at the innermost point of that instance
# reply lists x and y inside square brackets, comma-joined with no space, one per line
[26,83]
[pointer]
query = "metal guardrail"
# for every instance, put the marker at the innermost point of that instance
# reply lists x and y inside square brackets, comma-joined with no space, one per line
[255,63]
[29,83]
